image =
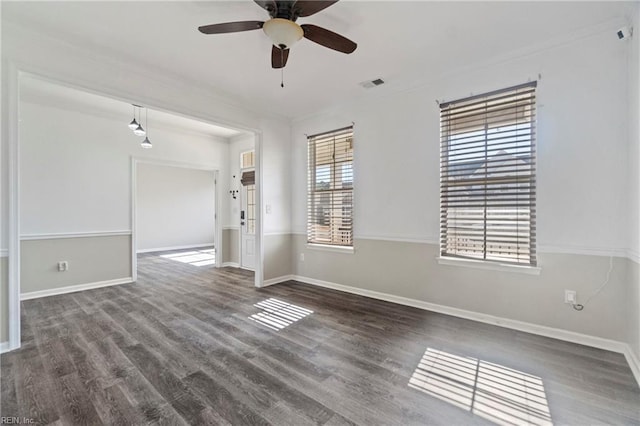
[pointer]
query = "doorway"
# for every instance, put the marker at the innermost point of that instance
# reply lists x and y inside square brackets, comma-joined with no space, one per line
[108,174]
[175,212]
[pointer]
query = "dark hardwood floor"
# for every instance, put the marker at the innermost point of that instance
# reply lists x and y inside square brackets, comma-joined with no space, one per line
[197,345]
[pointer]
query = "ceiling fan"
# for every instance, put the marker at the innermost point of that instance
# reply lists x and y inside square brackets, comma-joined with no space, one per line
[283,30]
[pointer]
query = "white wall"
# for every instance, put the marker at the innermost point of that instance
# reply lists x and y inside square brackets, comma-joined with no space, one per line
[633,298]
[276,176]
[76,177]
[27,49]
[633,82]
[582,174]
[80,174]
[581,139]
[175,207]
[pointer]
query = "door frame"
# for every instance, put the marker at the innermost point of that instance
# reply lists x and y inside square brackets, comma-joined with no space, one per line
[14,71]
[135,161]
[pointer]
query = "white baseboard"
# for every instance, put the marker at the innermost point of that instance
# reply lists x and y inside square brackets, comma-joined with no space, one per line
[230,264]
[633,361]
[4,347]
[277,280]
[151,250]
[74,288]
[541,330]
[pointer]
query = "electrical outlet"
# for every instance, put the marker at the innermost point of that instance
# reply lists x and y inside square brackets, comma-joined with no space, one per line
[301,257]
[570,297]
[63,265]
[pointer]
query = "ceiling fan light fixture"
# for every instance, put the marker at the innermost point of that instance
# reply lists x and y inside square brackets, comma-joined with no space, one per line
[283,32]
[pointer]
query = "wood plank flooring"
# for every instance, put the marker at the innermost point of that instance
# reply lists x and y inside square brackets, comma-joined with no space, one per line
[200,345]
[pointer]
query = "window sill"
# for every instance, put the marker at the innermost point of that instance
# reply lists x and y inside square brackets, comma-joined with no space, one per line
[479,264]
[326,247]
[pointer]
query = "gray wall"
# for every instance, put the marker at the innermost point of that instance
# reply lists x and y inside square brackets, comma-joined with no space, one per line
[230,245]
[4,299]
[277,256]
[91,259]
[411,270]
[633,307]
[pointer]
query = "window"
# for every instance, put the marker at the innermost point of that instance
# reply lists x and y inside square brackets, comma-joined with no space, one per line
[247,159]
[487,177]
[330,203]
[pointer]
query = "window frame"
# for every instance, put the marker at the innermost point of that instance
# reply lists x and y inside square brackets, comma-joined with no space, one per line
[489,119]
[335,168]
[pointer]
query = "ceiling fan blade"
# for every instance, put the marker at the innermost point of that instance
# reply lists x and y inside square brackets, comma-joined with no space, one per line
[231,27]
[270,6]
[279,57]
[328,38]
[310,7]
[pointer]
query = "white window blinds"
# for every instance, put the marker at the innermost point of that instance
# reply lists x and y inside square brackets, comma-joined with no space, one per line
[487,176]
[330,192]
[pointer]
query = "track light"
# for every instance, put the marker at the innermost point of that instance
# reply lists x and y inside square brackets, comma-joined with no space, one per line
[134,124]
[139,131]
[146,143]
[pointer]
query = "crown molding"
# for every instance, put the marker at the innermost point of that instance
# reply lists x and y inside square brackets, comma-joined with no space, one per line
[106,113]
[419,84]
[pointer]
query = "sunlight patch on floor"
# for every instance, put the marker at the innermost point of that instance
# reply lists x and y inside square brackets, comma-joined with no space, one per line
[195,257]
[277,314]
[499,394]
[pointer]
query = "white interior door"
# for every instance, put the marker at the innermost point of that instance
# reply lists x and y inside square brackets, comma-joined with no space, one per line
[248,227]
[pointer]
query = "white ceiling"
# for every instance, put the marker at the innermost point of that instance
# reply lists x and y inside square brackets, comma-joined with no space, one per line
[36,90]
[399,41]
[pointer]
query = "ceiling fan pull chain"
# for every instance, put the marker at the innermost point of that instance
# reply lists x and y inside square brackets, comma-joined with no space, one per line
[282,69]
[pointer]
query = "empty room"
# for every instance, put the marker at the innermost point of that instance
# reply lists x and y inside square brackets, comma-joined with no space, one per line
[320,212]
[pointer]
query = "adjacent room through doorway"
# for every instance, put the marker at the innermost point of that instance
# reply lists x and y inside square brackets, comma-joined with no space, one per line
[176,212]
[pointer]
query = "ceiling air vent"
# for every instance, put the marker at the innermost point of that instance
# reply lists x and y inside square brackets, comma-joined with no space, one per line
[372,83]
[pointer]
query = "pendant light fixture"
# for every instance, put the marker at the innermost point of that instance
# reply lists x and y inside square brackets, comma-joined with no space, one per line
[134,124]
[146,143]
[139,131]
